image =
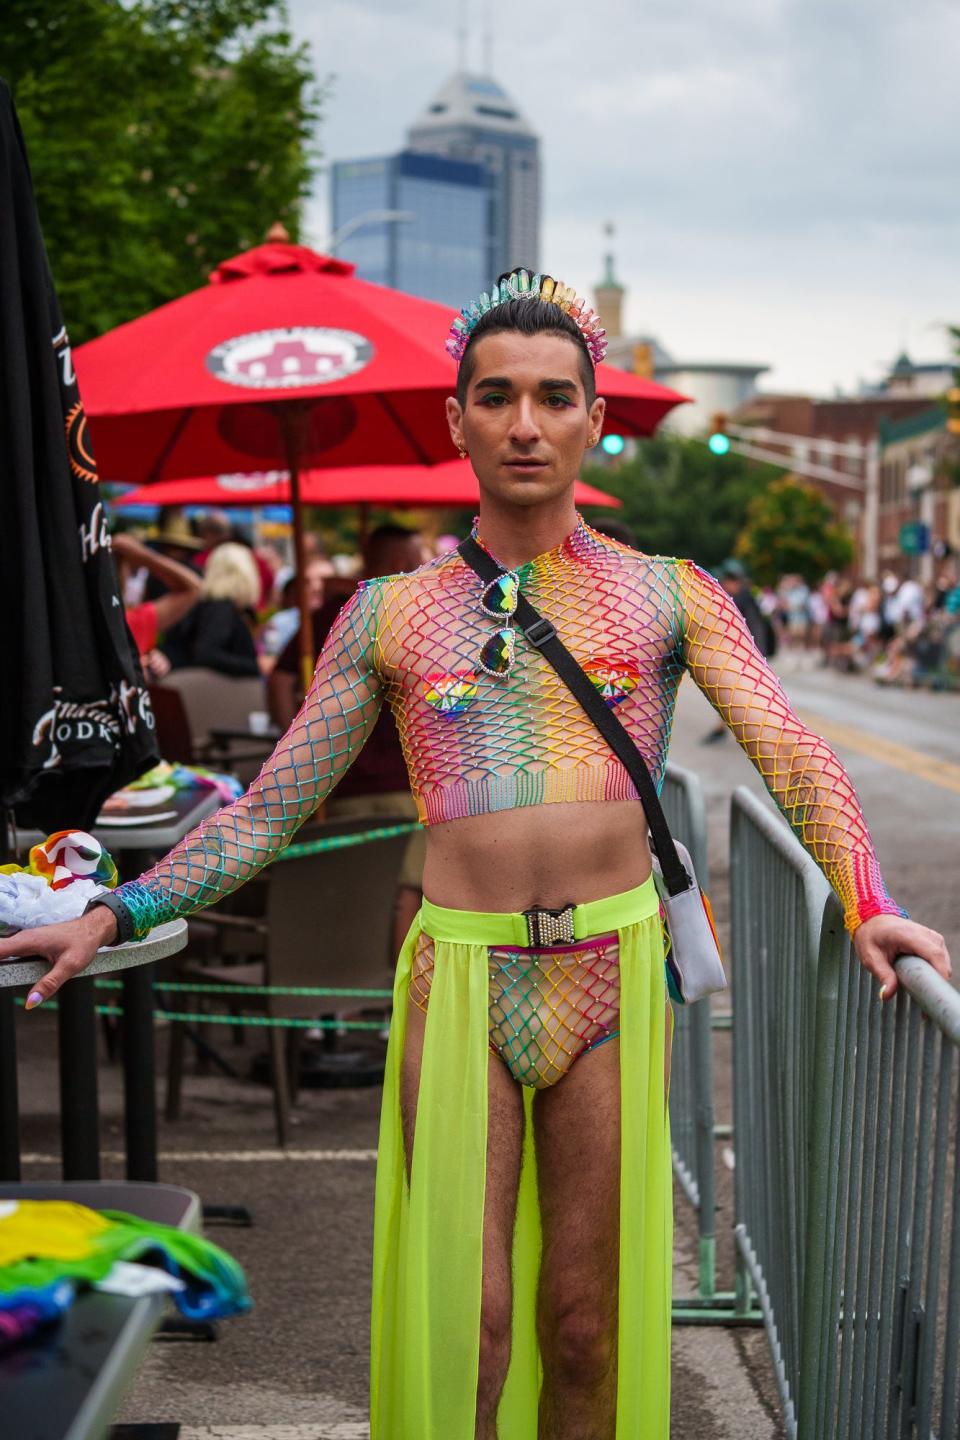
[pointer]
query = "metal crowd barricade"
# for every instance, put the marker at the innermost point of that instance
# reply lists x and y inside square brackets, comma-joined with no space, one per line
[846,1118]
[691,1075]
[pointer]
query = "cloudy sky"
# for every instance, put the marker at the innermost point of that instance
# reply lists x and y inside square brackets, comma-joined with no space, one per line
[782,174]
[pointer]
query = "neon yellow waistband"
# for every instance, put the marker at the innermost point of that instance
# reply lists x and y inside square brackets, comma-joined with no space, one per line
[594,917]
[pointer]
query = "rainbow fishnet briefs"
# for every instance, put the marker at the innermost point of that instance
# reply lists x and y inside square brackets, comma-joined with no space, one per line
[477,743]
[547,1006]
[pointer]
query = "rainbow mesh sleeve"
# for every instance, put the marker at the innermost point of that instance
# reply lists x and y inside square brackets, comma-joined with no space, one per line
[802,773]
[227,848]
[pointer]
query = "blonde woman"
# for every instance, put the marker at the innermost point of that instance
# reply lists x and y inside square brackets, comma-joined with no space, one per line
[218,632]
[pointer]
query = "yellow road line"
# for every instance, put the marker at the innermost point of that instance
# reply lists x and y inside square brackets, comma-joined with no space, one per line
[943,773]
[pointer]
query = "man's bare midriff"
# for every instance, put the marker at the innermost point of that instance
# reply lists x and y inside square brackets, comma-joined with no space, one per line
[547,855]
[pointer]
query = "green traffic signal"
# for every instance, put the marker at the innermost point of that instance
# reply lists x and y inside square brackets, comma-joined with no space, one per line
[719,443]
[612,444]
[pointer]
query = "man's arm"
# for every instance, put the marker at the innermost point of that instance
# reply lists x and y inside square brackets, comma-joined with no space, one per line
[804,776]
[225,850]
[184,584]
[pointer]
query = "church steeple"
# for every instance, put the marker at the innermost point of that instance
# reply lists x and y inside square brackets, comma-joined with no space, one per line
[608,294]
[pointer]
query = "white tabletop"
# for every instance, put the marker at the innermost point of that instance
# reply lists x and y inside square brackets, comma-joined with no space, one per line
[162,940]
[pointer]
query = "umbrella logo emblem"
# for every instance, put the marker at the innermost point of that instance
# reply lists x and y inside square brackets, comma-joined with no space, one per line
[295,357]
[79,452]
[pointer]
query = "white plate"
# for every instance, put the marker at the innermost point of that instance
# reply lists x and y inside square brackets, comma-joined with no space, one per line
[104,820]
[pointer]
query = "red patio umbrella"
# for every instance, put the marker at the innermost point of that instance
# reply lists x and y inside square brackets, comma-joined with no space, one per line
[451,484]
[285,359]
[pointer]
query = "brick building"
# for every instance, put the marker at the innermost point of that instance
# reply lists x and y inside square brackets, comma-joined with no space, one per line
[858,422]
[918,459]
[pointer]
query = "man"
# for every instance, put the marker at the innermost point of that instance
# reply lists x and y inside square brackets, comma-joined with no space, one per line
[387,550]
[523,1185]
[284,623]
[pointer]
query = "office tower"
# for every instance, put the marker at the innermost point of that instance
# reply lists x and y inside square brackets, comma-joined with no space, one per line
[473,120]
[441,250]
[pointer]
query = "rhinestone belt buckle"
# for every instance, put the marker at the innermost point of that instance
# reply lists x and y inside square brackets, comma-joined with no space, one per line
[549,927]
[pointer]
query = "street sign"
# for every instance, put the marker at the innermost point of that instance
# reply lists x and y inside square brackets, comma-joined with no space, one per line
[914,538]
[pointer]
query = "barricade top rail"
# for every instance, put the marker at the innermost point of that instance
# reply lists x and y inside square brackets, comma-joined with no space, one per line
[936,997]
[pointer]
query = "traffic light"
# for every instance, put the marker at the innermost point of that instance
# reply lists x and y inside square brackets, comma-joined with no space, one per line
[953,410]
[612,444]
[719,440]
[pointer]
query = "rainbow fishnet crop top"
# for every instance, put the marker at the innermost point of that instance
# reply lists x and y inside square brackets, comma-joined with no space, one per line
[477,743]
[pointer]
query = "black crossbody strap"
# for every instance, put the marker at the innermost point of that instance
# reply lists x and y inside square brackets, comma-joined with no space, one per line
[542,635]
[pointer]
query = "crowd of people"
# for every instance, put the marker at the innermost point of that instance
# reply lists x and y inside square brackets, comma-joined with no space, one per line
[200,594]
[897,630]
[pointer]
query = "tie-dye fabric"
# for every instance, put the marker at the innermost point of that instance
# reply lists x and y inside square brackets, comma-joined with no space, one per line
[477,742]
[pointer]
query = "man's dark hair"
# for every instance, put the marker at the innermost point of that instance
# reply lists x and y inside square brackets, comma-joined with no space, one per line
[376,542]
[389,530]
[527,317]
[616,530]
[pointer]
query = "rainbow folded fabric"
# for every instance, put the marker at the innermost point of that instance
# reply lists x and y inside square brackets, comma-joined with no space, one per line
[50,1248]
[63,874]
[65,857]
[190,777]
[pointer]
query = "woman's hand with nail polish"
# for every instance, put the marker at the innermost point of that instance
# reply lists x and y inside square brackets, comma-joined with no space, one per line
[69,948]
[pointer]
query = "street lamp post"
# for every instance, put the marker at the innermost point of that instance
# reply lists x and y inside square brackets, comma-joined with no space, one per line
[369,217]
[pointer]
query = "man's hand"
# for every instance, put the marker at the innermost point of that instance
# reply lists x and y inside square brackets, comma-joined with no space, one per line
[882,940]
[69,947]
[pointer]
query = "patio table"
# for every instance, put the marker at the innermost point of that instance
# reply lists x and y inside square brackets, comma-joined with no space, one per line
[68,1383]
[79,1117]
[139,845]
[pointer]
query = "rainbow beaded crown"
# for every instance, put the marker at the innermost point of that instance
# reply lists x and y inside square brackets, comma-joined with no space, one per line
[521,285]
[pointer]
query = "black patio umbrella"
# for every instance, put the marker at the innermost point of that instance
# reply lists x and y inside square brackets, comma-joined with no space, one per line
[75,718]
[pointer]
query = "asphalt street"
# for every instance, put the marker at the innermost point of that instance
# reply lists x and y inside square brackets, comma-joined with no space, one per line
[296,1368]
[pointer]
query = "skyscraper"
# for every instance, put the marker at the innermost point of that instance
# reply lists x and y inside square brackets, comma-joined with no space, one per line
[473,119]
[441,251]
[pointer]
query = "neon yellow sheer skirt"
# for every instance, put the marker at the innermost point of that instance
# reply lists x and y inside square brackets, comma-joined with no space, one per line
[428,1234]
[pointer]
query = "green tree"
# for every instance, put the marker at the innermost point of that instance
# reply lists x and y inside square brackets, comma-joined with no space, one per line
[679,499]
[791,530]
[163,136]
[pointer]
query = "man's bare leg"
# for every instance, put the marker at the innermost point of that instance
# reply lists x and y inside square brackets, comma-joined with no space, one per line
[504,1150]
[408,902]
[577,1128]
